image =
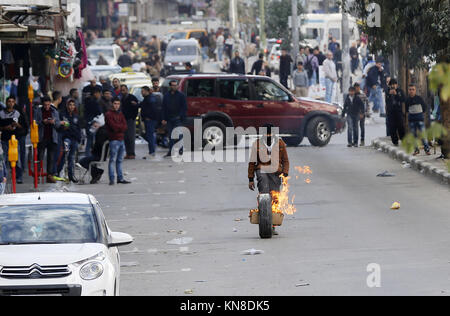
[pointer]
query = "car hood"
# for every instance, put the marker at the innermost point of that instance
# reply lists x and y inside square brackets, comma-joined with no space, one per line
[47,255]
[179,59]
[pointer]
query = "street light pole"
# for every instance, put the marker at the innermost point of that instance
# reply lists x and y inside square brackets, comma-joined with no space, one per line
[295,34]
[262,17]
[345,53]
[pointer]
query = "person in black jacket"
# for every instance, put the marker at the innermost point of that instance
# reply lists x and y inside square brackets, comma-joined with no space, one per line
[285,68]
[151,108]
[257,65]
[71,137]
[354,108]
[416,108]
[101,137]
[237,65]
[174,112]
[395,97]
[14,122]
[375,83]
[130,109]
[92,109]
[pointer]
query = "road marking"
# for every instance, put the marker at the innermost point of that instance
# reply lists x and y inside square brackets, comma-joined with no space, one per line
[156,218]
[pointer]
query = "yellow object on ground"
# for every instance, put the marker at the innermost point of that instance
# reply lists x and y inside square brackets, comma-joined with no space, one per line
[395,206]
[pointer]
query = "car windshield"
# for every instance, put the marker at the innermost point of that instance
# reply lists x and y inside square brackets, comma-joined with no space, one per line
[94,53]
[178,35]
[181,50]
[48,224]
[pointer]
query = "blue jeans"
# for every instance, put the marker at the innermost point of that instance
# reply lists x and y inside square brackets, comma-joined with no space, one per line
[116,155]
[171,125]
[329,84]
[73,146]
[150,135]
[313,79]
[20,163]
[352,129]
[376,96]
[416,128]
[2,187]
[205,52]
[220,53]
[58,155]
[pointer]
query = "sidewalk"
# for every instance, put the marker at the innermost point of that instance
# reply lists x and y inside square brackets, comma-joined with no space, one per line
[427,165]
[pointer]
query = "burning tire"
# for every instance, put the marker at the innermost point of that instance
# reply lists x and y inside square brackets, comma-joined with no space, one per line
[265,216]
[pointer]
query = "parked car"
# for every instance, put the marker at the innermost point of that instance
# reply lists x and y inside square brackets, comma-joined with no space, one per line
[110,52]
[57,244]
[223,101]
[180,52]
[185,34]
[105,71]
[129,77]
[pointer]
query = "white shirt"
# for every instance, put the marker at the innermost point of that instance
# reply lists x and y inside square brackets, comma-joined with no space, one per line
[329,69]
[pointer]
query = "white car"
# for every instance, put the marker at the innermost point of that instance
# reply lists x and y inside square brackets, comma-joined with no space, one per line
[110,52]
[274,58]
[57,244]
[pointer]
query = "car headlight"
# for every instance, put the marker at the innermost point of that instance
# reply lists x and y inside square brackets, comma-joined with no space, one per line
[98,257]
[91,271]
[339,110]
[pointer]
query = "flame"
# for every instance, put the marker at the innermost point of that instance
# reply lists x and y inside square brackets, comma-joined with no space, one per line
[280,200]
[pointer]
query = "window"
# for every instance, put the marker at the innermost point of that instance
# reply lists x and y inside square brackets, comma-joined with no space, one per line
[234,89]
[335,32]
[181,50]
[40,224]
[196,35]
[268,91]
[200,88]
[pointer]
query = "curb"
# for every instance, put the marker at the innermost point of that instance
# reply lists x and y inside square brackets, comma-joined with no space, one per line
[417,164]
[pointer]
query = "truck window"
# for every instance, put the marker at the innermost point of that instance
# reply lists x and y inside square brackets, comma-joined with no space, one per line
[234,89]
[268,91]
[200,88]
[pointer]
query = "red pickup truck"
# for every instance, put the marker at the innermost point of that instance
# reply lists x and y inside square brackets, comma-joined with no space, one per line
[226,100]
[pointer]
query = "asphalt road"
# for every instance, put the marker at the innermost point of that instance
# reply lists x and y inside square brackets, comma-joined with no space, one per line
[343,224]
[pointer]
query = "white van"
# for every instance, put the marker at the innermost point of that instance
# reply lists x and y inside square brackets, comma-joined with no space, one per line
[315,29]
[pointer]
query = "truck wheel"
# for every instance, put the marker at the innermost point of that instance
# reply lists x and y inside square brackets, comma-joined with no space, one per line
[265,216]
[319,131]
[214,133]
[294,141]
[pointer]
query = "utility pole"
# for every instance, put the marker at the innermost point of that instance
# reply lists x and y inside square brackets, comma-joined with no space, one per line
[262,17]
[295,34]
[233,16]
[345,52]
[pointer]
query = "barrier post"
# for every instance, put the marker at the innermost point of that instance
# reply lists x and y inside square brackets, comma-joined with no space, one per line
[34,135]
[13,157]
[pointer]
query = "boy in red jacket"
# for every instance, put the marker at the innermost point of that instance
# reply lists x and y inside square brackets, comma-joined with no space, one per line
[116,126]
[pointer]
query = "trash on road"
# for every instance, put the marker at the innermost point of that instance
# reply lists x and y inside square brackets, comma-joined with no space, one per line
[180,241]
[405,165]
[385,174]
[252,252]
[189,291]
[302,284]
[235,230]
[238,220]
[395,206]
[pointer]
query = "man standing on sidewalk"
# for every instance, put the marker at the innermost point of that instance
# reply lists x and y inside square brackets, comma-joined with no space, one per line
[354,108]
[301,81]
[362,122]
[47,118]
[285,68]
[375,82]
[116,125]
[151,108]
[174,111]
[395,97]
[329,69]
[130,109]
[416,109]
[237,65]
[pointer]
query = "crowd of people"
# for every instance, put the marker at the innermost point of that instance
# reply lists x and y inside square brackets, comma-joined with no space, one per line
[107,118]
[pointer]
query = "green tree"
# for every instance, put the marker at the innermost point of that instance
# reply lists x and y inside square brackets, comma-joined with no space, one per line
[417,31]
[277,19]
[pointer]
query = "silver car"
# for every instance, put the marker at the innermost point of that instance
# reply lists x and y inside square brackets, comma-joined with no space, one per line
[180,52]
